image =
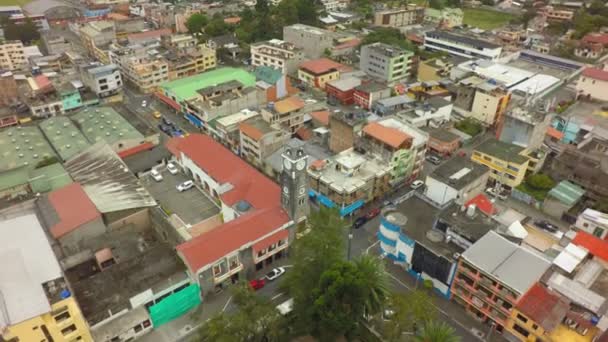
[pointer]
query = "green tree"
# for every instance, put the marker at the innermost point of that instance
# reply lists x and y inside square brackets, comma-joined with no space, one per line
[307,12]
[261,8]
[312,254]
[390,36]
[409,311]
[196,23]
[374,277]
[540,182]
[438,4]
[25,32]
[436,331]
[256,320]
[216,27]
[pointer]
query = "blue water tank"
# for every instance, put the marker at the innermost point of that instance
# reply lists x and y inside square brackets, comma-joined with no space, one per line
[65,294]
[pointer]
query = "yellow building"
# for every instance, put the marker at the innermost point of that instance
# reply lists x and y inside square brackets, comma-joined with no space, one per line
[507,162]
[36,302]
[316,73]
[540,315]
[12,55]
[434,69]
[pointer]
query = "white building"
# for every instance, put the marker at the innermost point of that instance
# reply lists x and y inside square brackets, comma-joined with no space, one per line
[458,179]
[277,54]
[593,222]
[593,83]
[104,80]
[461,46]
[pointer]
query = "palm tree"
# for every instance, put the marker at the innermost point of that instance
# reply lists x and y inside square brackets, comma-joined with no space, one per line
[375,283]
[436,331]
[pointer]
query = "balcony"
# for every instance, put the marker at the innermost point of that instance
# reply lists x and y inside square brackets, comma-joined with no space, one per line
[234,268]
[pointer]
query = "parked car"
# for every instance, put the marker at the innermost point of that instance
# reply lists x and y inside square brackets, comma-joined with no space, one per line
[156,175]
[387,203]
[359,222]
[433,159]
[167,122]
[492,192]
[546,226]
[372,213]
[416,184]
[177,132]
[165,129]
[144,103]
[257,284]
[185,186]
[275,273]
[156,115]
[172,168]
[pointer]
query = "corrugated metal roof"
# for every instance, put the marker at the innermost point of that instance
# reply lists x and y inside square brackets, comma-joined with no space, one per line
[567,192]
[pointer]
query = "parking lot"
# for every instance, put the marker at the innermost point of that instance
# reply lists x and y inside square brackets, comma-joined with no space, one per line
[192,206]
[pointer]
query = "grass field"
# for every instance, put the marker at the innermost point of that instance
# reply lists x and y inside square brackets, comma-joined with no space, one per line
[14,2]
[484,18]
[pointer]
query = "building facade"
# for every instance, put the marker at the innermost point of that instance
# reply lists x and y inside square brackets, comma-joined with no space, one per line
[411,15]
[462,46]
[12,56]
[385,62]
[312,40]
[508,163]
[593,222]
[593,83]
[277,54]
[103,80]
[316,73]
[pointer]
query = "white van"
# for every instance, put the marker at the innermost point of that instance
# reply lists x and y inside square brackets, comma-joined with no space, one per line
[156,175]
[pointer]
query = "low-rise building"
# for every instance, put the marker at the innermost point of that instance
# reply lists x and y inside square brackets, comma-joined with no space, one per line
[312,40]
[287,114]
[507,162]
[458,179]
[563,197]
[459,45]
[386,63]
[433,112]
[54,43]
[12,55]
[277,54]
[368,93]
[342,90]
[226,129]
[593,222]
[557,14]
[524,127]
[409,15]
[482,100]
[434,69]
[443,142]
[593,83]
[348,180]
[446,18]
[344,129]
[316,73]
[489,281]
[274,83]
[96,34]
[37,302]
[103,80]
[259,139]
[592,45]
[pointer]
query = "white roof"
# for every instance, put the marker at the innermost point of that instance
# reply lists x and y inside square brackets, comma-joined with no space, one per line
[570,257]
[27,261]
[502,73]
[596,216]
[517,230]
[236,118]
[577,292]
[536,84]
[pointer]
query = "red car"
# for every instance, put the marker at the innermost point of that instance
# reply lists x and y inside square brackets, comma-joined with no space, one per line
[372,213]
[257,284]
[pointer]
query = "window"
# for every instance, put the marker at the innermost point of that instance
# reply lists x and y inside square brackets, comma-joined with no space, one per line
[513,168]
[103,87]
[586,225]
[534,326]
[70,329]
[137,328]
[217,270]
[272,247]
[281,242]
[62,316]
[487,158]
[261,253]
[35,327]
[103,80]
[598,232]
[522,318]
[521,330]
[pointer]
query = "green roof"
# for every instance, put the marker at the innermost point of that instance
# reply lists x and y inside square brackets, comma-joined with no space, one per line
[502,150]
[49,178]
[185,88]
[12,178]
[23,146]
[64,136]
[105,124]
[567,192]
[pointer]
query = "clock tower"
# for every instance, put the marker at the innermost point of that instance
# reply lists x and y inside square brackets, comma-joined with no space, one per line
[294,181]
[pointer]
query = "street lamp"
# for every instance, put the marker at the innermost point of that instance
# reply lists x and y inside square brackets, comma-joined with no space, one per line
[350,238]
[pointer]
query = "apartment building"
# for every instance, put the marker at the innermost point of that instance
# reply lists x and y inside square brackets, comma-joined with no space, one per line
[459,45]
[593,83]
[507,162]
[95,35]
[37,303]
[482,100]
[190,61]
[103,80]
[259,139]
[434,69]
[367,94]
[458,179]
[312,40]
[317,72]
[489,287]
[344,130]
[443,142]
[287,113]
[12,55]
[385,62]
[557,14]
[348,180]
[277,54]
[524,127]
[410,15]
[144,73]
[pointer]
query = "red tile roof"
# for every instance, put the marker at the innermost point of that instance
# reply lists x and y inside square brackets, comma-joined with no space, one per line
[321,116]
[274,238]
[232,20]
[595,245]
[601,38]
[596,73]
[348,44]
[390,136]
[482,203]
[135,150]
[323,66]
[149,34]
[304,133]
[251,131]
[264,218]
[73,207]
[42,81]
[543,306]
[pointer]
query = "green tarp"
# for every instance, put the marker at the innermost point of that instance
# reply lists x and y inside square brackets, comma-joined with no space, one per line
[175,305]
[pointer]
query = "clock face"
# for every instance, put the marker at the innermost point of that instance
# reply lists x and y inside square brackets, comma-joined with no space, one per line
[287,164]
[285,189]
[302,190]
[301,164]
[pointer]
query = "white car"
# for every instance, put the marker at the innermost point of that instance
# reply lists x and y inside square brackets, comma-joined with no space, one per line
[185,186]
[144,103]
[492,192]
[416,184]
[156,175]
[172,168]
[275,273]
